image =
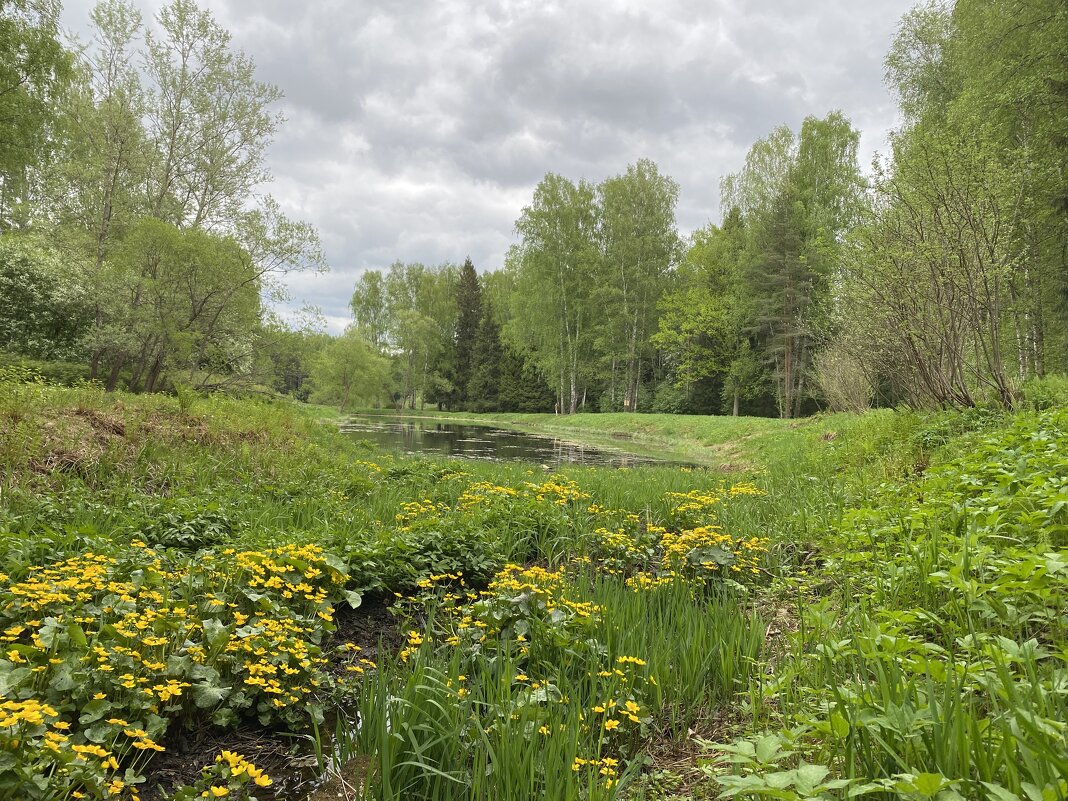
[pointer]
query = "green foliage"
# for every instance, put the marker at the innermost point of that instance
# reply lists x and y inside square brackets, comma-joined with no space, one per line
[46,309]
[219,597]
[467,344]
[348,371]
[484,388]
[798,195]
[35,70]
[66,374]
[931,643]
[902,635]
[1044,393]
[553,315]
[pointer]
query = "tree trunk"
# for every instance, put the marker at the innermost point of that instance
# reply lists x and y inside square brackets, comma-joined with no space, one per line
[113,376]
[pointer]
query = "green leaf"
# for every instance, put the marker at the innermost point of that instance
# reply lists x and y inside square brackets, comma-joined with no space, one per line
[216,633]
[77,636]
[999,793]
[808,776]
[929,784]
[780,779]
[353,598]
[62,681]
[208,695]
[839,725]
[94,710]
[767,747]
[11,677]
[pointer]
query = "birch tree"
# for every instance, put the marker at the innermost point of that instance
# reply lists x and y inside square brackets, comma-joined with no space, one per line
[640,244]
[555,265]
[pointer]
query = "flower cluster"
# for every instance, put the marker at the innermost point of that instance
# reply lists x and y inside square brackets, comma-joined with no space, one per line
[232,776]
[706,550]
[559,491]
[129,641]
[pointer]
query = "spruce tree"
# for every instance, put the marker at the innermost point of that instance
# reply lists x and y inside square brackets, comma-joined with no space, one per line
[469,315]
[484,387]
[522,387]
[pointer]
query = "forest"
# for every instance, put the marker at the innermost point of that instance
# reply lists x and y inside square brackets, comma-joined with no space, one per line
[138,247]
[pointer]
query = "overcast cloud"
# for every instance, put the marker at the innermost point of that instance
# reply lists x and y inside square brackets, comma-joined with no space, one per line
[417,129]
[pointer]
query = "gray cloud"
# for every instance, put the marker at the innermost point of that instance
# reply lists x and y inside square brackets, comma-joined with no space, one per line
[417,129]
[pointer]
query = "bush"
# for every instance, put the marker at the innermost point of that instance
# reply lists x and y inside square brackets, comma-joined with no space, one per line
[21,370]
[1046,392]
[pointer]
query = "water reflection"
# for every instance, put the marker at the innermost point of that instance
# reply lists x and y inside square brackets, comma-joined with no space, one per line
[433,437]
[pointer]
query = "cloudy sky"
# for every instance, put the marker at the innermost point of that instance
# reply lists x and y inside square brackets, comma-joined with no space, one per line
[417,129]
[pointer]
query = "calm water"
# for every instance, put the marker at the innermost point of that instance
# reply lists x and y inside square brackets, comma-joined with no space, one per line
[436,438]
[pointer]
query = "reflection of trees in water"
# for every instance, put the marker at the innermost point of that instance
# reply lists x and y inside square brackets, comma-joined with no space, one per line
[577,453]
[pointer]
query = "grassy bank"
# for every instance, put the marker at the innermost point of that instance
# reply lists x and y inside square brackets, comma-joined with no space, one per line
[877,608]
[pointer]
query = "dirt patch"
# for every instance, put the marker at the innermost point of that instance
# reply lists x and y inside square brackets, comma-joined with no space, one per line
[372,626]
[104,425]
[189,751]
[728,458]
[285,757]
[68,444]
[673,768]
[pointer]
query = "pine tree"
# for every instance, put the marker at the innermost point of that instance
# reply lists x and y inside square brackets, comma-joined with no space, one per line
[469,315]
[483,389]
[522,387]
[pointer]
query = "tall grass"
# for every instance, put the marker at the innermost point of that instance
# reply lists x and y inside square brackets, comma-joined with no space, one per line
[443,727]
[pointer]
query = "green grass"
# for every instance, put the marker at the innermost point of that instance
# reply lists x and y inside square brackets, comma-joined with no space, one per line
[901,633]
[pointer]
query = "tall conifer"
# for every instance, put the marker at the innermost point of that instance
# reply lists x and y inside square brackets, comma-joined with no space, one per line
[469,314]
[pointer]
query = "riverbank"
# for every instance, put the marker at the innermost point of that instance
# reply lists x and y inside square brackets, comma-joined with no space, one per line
[186,579]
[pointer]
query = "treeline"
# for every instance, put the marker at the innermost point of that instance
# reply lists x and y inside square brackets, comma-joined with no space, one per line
[938,277]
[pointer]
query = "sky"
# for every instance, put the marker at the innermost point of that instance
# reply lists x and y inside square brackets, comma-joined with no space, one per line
[416,130]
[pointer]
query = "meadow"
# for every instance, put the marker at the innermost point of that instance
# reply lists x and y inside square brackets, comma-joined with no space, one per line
[205,597]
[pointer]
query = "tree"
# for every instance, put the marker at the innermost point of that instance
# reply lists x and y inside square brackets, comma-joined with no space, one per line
[640,244]
[46,310]
[348,371]
[35,70]
[289,352]
[370,308]
[179,142]
[469,315]
[484,386]
[208,120]
[961,260]
[554,316]
[178,300]
[930,274]
[522,386]
[704,319]
[421,308]
[799,196]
